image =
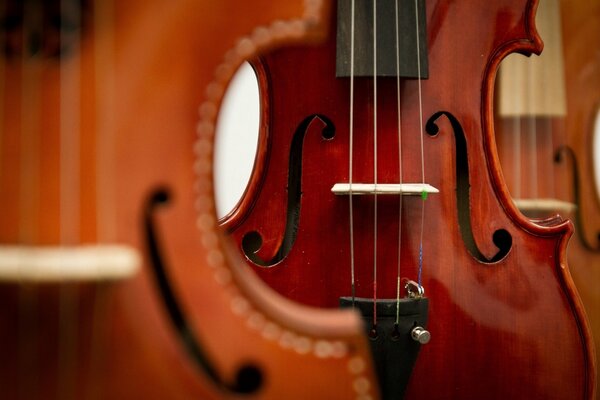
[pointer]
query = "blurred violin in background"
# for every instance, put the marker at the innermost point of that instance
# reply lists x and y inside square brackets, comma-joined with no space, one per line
[547,111]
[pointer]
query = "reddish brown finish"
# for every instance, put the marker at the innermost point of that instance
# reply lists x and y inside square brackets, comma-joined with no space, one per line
[510,329]
[118,340]
[581,24]
[581,27]
[582,69]
[581,45]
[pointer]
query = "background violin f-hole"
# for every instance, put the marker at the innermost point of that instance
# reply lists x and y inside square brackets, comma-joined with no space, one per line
[545,132]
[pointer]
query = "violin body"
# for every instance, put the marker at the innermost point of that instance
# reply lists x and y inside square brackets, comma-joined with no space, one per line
[565,163]
[582,68]
[120,107]
[504,316]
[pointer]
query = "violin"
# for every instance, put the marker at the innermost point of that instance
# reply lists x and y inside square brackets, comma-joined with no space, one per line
[546,153]
[377,187]
[582,71]
[108,291]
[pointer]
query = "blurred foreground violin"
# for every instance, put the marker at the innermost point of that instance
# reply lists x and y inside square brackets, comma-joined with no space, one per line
[99,118]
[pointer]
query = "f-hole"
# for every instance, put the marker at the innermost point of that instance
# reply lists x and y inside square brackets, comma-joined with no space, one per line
[249,377]
[565,152]
[501,237]
[252,241]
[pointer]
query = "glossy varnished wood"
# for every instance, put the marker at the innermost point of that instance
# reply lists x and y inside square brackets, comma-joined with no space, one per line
[561,178]
[171,59]
[513,328]
[581,27]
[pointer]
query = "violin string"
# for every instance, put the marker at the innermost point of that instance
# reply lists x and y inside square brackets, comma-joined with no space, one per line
[550,127]
[560,129]
[104,76]
[550,133]
[375,162]
[105,143]
[398,275]
[351,150]
[517,154]
[2,99]
[29,148]
[3,92]
[69,187]
[517,137]
[69,143]
[532,125]
[424,194]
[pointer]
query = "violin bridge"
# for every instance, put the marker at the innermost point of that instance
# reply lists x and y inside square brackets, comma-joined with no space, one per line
[404,189]
[56,264]
[545,206]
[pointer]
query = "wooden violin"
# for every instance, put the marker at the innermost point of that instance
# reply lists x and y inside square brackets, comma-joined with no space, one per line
[377,187]
[99,119]
[581,24]
[545,135]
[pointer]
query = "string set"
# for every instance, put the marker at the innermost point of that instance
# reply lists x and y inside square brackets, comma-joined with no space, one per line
[399,111]
[375,162]
[375,156]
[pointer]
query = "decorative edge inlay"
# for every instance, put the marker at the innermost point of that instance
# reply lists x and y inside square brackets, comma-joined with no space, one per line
[206,220]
